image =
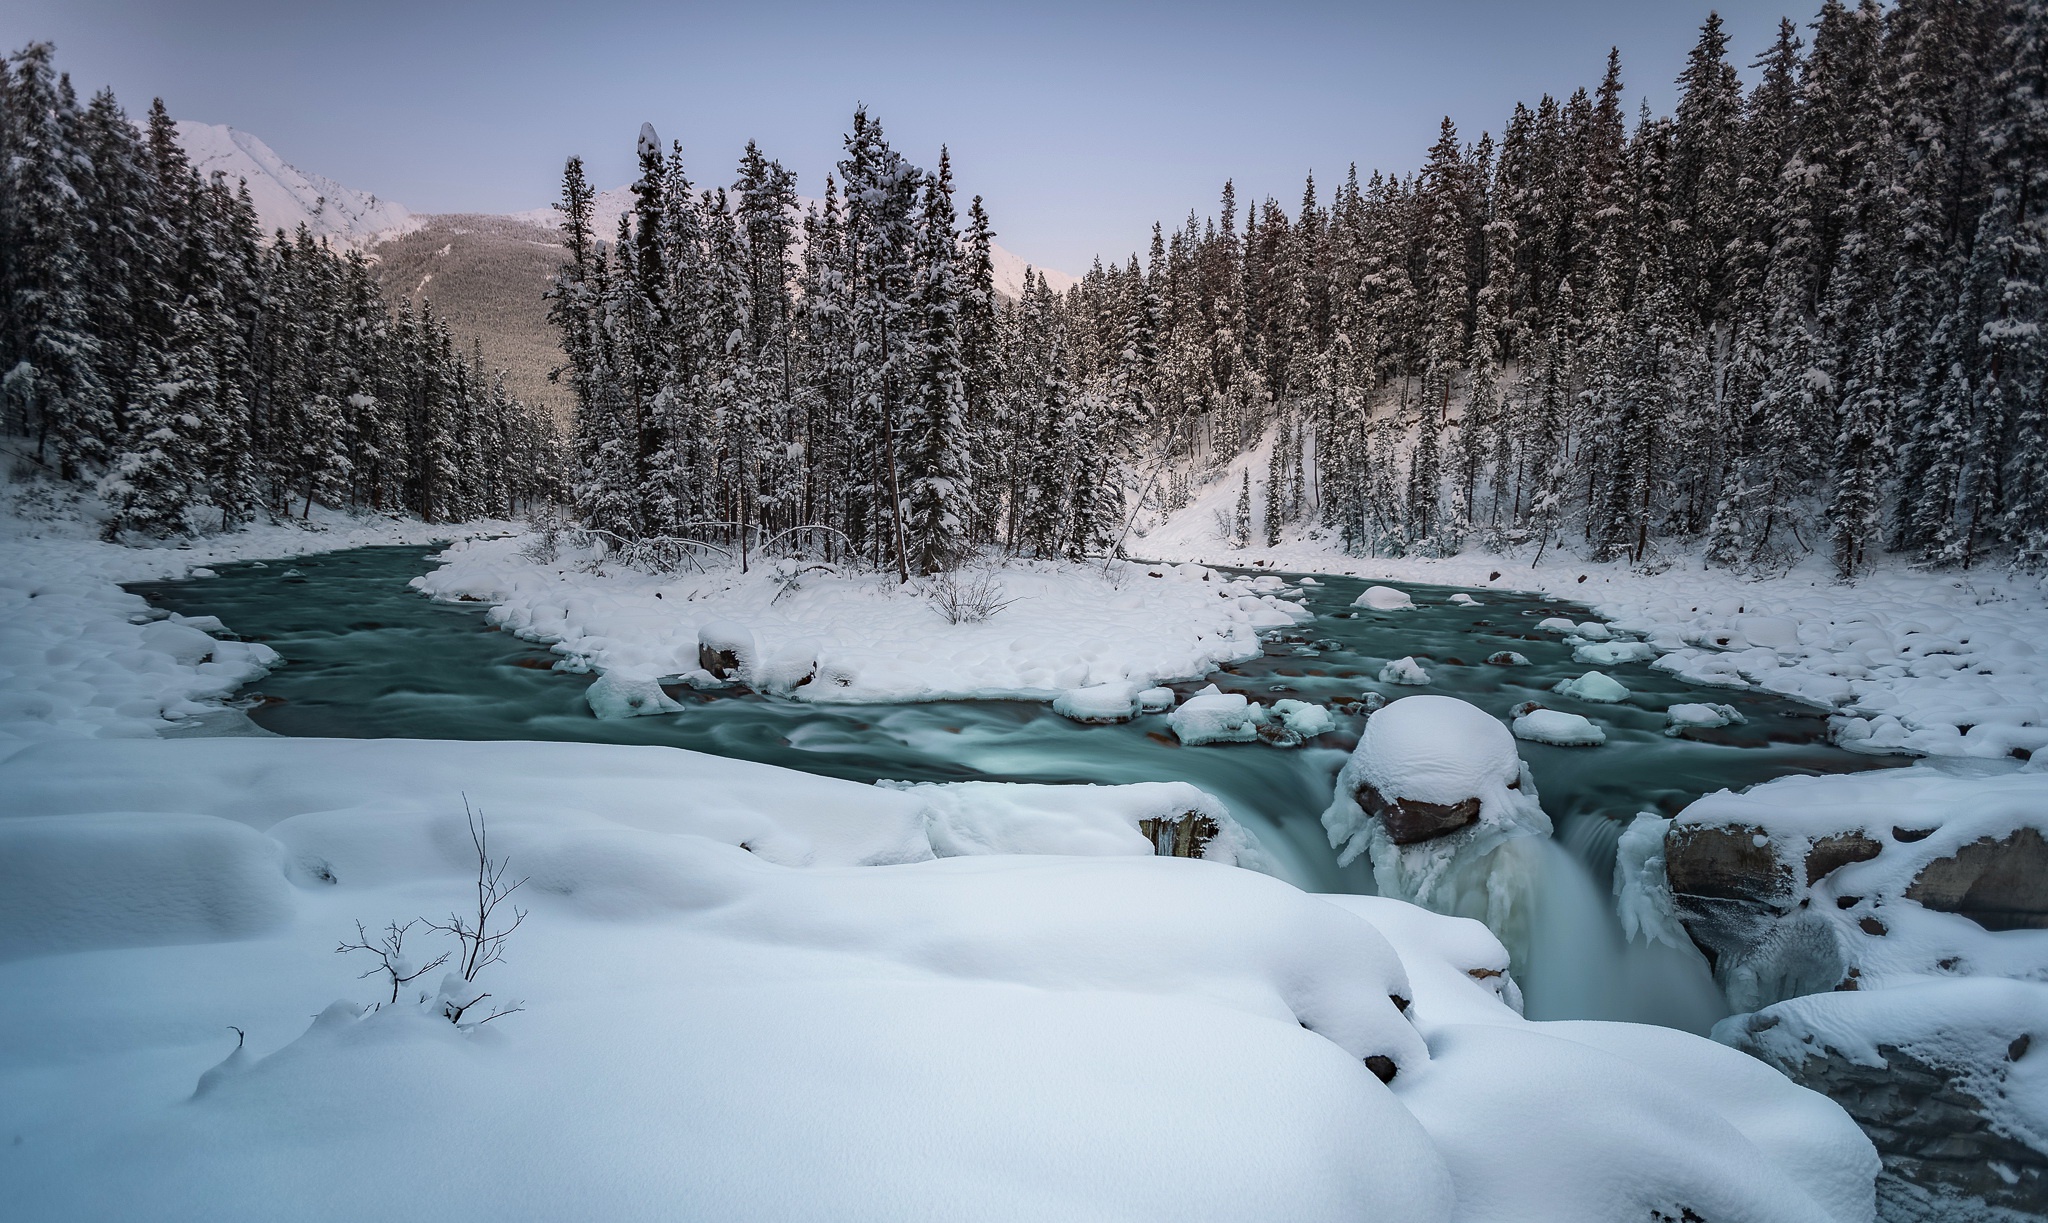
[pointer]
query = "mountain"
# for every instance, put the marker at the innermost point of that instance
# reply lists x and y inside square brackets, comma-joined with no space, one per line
[286,196]
[483,272]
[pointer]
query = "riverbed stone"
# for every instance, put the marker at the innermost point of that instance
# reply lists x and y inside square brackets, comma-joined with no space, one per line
[1410,821]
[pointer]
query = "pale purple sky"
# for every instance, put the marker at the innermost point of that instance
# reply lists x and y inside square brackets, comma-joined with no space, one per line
[1081,123]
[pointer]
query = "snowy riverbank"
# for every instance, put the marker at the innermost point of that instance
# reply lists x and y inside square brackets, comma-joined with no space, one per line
[729,1016]
[1910,661]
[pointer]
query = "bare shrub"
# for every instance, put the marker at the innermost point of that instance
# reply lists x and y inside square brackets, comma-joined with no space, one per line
[966,600]
[390,952]
[482,931]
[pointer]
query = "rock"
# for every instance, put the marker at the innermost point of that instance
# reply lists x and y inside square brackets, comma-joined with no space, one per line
[1830,854]
[727,650]
[1558,728]
[1723,862]
[2000,885]
[1404,671]
[1156,700]
[1594,686]
[1184,836]
[1100,704]
[1210,716]
[1506,658]
[1410,821]
[615,696]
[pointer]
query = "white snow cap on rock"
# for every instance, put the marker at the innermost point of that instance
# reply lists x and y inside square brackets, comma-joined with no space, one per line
[1404,671]
[1593,686]
[1384,598]
[1099,704]
[1445,752]
[1212,716]
[985,817]
[1558,728]
[1705,716]
[613,696]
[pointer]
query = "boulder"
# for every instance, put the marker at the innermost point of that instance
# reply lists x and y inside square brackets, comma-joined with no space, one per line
[1999,884]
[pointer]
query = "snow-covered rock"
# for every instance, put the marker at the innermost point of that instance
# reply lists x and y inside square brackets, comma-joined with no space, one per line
[980,817]
[1384,598]
[1595,686]
[1303,718]
[1558,728]
[1156,700]
[614,695]
[1507,658]
[1100,704]
[1700,717]
[1613,653]
[1437,795]
[1462,599]
[1404,671]
[1210,716]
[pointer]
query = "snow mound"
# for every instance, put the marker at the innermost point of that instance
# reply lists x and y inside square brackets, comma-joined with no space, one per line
[1613,653]
[1404,671]
[1156,700]
[1211,716]
[1384,598]
[981,817]
[1101,704]
[1594,686]
[614,696]
[1558,728]
[72,882]
[1701,716]
[1464,600]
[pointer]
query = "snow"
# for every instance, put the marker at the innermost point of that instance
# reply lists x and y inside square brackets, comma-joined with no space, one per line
[1594,686]
[1070,626]
[1558,728]
[981,817]
[286,196]
[1304,718]
[1156,700]
[1384,598]
[80,657]
[1101,704]
[621,696]
[1404,671]
[1705,716]
[704,970]
[1211,716]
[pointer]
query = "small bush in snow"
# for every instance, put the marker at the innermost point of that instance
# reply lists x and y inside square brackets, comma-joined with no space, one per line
[968,600]
[545,525]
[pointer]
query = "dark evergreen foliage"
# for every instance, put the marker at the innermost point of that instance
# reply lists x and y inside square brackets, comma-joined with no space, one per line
[153,344]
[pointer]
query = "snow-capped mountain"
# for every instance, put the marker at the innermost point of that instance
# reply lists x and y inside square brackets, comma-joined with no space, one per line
[286,196]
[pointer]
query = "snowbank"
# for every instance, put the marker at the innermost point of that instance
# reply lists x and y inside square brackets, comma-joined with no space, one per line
[80,657]
[1067,627]
[981,1036]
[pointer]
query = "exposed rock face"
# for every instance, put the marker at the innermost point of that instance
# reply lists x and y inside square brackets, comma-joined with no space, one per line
[1944,1158]
[2000,885]
[1184,836]
[1411,820]
[723,664]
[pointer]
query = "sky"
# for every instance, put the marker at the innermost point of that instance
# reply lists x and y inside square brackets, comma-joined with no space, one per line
[1080,123]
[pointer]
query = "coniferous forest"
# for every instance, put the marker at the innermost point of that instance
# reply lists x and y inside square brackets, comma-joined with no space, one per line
[155,346]
[1799,316]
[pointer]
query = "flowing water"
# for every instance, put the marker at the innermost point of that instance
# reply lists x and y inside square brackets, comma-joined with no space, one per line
[364,656]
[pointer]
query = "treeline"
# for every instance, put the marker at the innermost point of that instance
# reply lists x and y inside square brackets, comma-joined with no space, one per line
[151,344]
[841,378]
[1806,315]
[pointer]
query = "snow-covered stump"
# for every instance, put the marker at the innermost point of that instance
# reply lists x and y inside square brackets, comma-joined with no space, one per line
[1438,798]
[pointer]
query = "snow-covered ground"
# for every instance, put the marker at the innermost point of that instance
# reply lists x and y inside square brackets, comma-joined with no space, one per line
[79,656]
[752,994]
[863,637]
[1911,661]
